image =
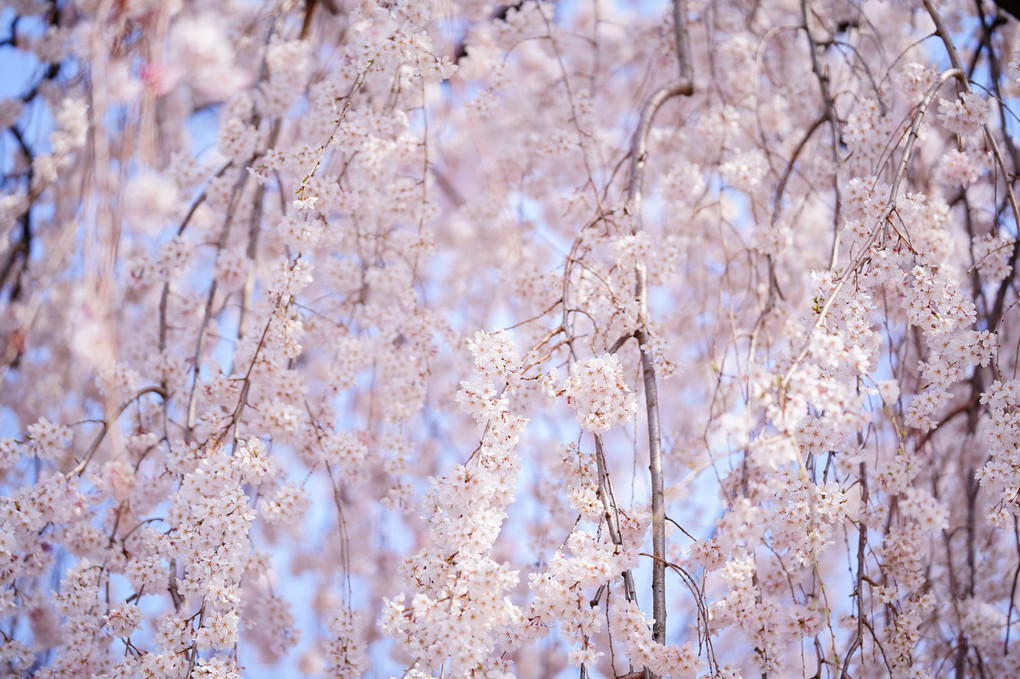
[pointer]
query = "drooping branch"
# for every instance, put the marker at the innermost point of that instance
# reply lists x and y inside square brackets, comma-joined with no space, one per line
[1000,162]
[683,85]
[880,231]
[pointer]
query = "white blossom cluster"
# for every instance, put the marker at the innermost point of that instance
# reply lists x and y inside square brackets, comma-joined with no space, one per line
[562,593]
[1000,476]
[634,629]
[966,115]
[599,393]
[461,602]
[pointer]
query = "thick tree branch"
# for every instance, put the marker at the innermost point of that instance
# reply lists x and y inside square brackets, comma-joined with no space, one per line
[683,85]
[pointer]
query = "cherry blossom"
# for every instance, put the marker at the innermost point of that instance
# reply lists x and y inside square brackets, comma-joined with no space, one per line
[425,339]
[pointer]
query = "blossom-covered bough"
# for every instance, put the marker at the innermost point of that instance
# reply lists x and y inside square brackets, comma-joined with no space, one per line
[458,339]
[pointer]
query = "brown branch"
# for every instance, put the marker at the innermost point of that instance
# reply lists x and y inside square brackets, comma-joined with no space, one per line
[79,468]
[862,541]
[611,512]
[822,76]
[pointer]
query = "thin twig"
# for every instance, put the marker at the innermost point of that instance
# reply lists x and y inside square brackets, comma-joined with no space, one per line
[611,513]
[79,468]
